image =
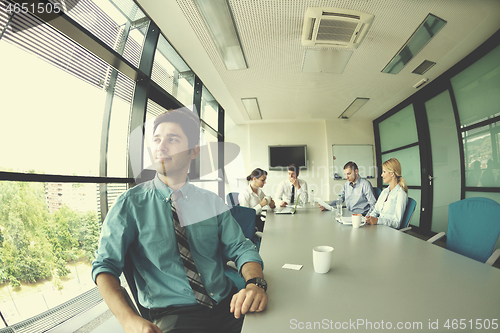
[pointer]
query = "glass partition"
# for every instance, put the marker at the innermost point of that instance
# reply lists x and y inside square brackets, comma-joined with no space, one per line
[398,130]
[445,158]
[410,164]
[476,89]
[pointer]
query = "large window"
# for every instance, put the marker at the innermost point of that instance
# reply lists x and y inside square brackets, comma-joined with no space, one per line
[478,103]
[67,110]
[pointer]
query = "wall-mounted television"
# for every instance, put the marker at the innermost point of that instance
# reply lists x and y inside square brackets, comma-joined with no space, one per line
[282,156]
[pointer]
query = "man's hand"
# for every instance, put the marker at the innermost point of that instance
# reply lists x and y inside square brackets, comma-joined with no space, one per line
[250,299]
[272,204]
[295,182]
[321,207]
[283,204]
[371,220]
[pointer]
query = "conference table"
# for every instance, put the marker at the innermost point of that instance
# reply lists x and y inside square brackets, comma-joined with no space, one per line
[381,279]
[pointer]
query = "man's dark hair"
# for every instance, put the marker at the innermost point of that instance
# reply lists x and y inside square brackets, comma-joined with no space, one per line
[294,168]
[186,119]
[351,165]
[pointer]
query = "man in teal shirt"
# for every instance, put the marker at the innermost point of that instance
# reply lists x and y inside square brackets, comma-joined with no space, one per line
[141,222]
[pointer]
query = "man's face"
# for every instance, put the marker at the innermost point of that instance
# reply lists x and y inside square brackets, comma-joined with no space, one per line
[351,175]
[292,176]
[170,148]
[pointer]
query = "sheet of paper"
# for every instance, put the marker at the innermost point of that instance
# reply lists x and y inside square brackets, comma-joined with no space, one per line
[324,204]
[292,266]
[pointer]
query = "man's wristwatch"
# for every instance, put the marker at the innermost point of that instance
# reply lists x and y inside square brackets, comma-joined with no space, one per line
[259,282]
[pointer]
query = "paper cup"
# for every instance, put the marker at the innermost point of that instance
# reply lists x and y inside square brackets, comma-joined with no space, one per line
[356,220]
[322,259]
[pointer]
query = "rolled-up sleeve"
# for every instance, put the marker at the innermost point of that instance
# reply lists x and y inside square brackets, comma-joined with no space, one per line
[117,234]
[235,246]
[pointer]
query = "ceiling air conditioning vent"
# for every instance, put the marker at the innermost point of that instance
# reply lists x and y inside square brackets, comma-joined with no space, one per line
[334,27]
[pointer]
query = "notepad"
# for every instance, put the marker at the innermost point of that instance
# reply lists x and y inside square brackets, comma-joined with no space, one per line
[292,267]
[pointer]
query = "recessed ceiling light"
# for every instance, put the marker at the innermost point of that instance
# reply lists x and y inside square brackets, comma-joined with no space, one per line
[220,23]
[353,107]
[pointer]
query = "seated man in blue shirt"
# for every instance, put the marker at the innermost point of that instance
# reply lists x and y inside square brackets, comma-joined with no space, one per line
[357,192]
[178,237]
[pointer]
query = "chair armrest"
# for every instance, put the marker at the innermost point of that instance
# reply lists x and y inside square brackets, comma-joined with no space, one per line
[405,229]
[436,237]
[259,234]
[491,260]
[130,302]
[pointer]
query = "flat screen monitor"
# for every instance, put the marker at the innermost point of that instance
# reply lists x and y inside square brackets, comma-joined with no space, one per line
[282,156]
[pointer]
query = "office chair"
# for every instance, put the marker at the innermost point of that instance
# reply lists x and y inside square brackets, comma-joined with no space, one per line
[232,199]
[473,229]
[410,209]
[245,217]
[128,272]
[376,192]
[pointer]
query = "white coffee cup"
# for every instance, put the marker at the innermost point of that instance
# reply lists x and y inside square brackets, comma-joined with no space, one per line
[356,220]
[322,259]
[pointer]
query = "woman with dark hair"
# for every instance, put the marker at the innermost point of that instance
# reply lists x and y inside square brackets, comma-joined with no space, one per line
[254,197]
[391,203]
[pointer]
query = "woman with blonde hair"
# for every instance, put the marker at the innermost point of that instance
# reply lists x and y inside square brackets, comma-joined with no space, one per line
[391,203]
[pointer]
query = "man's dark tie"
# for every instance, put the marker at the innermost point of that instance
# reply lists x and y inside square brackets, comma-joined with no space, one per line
[187,259]
[293,194]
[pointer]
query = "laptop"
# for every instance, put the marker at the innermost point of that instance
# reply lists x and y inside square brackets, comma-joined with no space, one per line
[287,210]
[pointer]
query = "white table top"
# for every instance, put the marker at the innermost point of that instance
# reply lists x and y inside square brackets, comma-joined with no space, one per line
[379,275]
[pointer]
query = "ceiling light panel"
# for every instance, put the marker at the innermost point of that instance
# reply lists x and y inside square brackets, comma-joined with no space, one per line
[353,107]
[424,33]
[252,108]
[423,67]
[219,20]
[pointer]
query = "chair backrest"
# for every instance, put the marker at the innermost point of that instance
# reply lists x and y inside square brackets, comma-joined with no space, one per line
[473,227]
[410,209]
[376,192]
[246,219]
[232,199]
[128,271]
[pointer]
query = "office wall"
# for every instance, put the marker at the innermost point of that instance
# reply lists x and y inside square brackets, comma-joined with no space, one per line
[319,136]
[345,132]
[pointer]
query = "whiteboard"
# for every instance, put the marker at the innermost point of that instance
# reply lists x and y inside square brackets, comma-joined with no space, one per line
[362,155]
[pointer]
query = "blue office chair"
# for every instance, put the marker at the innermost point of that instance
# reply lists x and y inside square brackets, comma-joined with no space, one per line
[246,219]
[473,229]
[376,192]
[410,209]
[232,199]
